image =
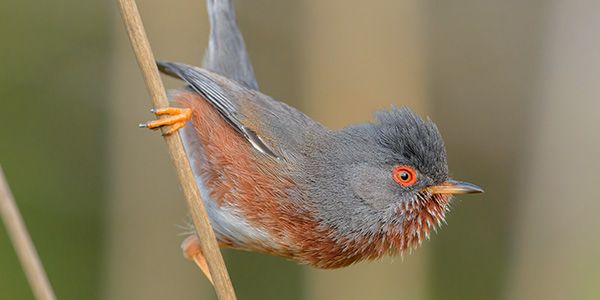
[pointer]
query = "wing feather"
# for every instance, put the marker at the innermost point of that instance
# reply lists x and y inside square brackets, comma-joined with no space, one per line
[212,91]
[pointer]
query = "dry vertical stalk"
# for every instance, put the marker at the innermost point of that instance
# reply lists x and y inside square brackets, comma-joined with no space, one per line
[208,242]
[22,241]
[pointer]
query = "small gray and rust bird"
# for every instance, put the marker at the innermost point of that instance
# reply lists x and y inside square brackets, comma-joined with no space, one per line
[275,181]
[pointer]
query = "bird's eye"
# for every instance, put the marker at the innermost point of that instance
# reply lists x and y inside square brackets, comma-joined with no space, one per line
[404,175]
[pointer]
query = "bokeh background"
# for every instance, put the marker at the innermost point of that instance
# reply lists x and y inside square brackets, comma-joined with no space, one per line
[513,85]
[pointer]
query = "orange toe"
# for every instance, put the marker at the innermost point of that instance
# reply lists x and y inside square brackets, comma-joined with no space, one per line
[177,117]
[191,250]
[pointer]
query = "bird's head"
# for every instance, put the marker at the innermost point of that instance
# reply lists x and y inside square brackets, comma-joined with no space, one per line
[399,179]
[414,156]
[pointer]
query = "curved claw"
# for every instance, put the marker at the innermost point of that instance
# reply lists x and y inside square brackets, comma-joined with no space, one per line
[191,250]
[176,119]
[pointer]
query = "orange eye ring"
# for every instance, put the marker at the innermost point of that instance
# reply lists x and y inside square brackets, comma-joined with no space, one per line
[404,175]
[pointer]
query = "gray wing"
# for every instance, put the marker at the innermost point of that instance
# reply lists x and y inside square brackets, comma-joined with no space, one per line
[226,53]
[219,94]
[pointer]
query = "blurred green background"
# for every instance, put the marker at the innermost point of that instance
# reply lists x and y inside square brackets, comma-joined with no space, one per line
[513,86]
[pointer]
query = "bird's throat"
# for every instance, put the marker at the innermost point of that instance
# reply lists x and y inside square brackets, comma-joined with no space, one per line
[419,217]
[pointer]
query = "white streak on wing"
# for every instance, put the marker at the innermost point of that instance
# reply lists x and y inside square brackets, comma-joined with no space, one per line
[225,220]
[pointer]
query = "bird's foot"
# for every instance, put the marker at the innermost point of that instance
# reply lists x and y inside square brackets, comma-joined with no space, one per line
[176,119]
[191,250]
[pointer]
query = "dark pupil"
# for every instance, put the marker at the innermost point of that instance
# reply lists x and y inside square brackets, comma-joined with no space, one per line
[404,176]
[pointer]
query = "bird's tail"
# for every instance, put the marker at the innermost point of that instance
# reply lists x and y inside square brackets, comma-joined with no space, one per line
[226,53]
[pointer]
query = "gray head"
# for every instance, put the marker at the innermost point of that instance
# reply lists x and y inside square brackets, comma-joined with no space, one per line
[404,139]
[369,176]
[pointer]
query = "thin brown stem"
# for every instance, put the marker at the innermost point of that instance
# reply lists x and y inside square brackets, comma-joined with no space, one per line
[146,61]
[22,242]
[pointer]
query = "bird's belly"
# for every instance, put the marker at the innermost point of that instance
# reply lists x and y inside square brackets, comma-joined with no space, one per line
[228,222]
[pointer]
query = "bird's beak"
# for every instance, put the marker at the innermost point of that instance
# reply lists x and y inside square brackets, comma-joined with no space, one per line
[455,187]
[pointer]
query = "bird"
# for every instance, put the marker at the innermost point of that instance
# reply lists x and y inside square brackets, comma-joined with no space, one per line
[275,181]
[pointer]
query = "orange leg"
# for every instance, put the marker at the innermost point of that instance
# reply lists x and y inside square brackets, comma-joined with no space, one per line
[191,250]
[176,118]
